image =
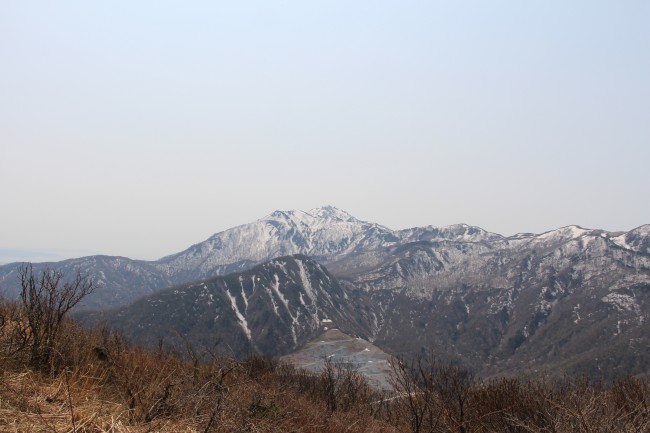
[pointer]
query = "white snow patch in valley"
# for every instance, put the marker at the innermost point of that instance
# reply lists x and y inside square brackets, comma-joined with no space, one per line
[302,300]
[276,288]
[240,317]
[243,294]
[576,311]
[304,278]
[501,301]
[275,306]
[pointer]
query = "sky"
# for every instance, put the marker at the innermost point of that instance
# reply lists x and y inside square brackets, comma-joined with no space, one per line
[140,128]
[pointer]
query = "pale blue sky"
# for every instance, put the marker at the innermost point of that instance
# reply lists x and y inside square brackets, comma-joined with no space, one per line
[139,128]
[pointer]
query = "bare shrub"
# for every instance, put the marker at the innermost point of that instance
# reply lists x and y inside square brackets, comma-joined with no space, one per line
[415,401]
[45,300]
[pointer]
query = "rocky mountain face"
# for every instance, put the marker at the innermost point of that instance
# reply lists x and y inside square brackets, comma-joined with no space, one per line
[570,299]
[273,309]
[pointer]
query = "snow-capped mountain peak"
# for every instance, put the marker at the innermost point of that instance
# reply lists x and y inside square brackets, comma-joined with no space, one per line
[332,213]
[314,217]
[324,232]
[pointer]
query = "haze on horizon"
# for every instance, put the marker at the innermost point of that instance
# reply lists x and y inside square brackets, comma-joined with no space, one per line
[140,128]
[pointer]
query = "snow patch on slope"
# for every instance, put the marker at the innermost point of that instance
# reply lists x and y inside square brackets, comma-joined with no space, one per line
[622,302]
[240,317]
[304,279]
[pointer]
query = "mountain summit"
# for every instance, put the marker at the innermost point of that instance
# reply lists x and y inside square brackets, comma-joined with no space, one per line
[322,233]
[331,213]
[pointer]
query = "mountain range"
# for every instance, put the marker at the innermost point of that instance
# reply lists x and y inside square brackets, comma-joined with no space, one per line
[326,234]
[572,299]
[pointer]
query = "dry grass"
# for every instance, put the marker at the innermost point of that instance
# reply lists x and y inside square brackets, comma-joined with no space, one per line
[95,382]
[33,403]
[73,402]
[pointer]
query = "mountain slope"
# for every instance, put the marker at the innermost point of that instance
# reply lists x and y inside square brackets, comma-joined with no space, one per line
[571,298]
[272,308]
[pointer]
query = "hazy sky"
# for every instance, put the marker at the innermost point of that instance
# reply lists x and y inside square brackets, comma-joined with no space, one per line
[138,128]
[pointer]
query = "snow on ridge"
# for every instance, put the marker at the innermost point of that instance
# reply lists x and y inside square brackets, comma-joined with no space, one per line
[454,232]
[331,212]
[571,232]
[525,235]
[322,232]
[330,233]
[465,232]
[621,241]
[634,234]
[643,230]
[577,231]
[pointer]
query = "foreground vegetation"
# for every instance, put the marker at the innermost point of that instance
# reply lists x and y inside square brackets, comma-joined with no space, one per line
[58,377]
